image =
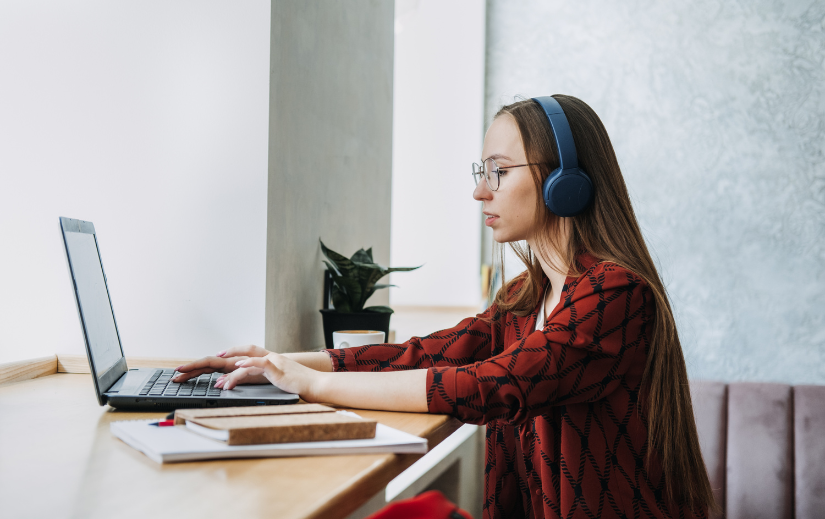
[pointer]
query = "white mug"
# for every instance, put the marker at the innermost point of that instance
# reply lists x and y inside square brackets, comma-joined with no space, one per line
[350,338]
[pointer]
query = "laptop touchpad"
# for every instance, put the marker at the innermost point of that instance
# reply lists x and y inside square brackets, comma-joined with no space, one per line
[253,391]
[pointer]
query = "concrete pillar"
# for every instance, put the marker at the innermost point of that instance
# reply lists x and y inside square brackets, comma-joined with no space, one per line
[330,153]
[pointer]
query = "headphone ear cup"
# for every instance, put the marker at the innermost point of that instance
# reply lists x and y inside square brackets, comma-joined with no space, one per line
[547,187]
[567,192]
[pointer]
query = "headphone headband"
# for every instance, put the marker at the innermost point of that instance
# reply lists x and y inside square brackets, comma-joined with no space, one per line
[567,190]
[568,159]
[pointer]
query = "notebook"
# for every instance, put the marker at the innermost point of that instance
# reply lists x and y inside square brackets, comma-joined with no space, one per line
[276,424]
[174,444]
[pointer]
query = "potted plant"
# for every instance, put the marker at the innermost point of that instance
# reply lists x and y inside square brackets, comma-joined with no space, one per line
[354,280]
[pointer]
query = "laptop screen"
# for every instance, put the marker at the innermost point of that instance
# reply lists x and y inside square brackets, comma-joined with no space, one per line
[93,299]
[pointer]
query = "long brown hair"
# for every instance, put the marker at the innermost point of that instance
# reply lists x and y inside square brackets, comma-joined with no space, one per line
[608,230]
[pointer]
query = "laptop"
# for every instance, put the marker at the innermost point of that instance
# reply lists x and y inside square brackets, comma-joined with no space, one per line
[143,388]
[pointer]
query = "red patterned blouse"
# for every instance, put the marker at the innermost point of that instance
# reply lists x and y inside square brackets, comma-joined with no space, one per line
[565,435]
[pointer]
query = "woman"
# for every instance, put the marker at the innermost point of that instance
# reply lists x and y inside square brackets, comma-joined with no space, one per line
[576,368]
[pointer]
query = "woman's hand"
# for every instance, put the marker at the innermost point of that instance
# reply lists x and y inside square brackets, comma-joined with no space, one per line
[278,369]
[224,362]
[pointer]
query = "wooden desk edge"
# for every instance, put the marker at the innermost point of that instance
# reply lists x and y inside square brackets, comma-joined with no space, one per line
[21,370]
[27,369]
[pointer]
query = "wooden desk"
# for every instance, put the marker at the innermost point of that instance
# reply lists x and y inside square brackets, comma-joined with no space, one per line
[58,459]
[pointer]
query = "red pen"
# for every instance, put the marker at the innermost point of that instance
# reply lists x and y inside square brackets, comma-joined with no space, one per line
[164,423]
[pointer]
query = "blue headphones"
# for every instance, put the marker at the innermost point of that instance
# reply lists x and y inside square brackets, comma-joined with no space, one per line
[568,190]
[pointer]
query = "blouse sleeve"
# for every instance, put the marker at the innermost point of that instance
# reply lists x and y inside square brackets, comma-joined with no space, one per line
[580,355]
[468,342]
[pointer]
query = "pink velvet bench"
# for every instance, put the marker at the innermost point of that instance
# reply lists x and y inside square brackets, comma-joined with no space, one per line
[764,447]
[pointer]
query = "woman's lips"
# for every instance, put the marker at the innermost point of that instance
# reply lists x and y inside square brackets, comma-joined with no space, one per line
[490,219]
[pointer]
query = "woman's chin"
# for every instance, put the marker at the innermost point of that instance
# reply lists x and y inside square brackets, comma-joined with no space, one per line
[504,237]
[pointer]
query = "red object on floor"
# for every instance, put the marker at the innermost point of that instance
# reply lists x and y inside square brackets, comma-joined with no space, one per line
[429,505]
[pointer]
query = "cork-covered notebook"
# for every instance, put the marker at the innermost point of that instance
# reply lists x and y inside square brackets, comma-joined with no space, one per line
[275,424]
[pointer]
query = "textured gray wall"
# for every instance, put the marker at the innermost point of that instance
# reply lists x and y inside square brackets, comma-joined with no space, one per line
[330,153]
[717,114]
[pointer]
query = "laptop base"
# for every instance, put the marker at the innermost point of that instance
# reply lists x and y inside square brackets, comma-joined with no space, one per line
[142,403]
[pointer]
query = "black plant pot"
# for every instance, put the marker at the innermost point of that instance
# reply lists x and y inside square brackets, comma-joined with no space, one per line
[336,321]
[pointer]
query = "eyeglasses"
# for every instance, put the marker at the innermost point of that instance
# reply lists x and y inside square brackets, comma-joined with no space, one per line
[492,173]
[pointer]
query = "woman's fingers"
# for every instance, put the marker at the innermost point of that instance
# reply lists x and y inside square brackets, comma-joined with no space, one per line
[214,363]
[205,365]
[248,379]
[225,361]
[183,377]
[231,380]
[261,366]
[277,369]
[282,372]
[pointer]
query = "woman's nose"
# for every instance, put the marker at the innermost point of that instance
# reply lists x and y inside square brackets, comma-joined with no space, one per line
[482,191]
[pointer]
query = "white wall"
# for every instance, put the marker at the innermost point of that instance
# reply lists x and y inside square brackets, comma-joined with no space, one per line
[149,119]
[437,134]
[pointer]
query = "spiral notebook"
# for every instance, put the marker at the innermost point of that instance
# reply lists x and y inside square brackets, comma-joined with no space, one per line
[174,444]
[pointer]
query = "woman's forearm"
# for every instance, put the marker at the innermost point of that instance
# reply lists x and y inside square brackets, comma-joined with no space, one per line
[385,390]
[317,360]
[310,375]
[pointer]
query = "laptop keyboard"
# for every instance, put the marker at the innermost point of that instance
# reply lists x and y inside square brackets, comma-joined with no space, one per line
[161,385]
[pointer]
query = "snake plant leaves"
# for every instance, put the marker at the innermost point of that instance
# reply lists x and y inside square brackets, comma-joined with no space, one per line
[342,264]
[362,257]
[355,279]
[344,292]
